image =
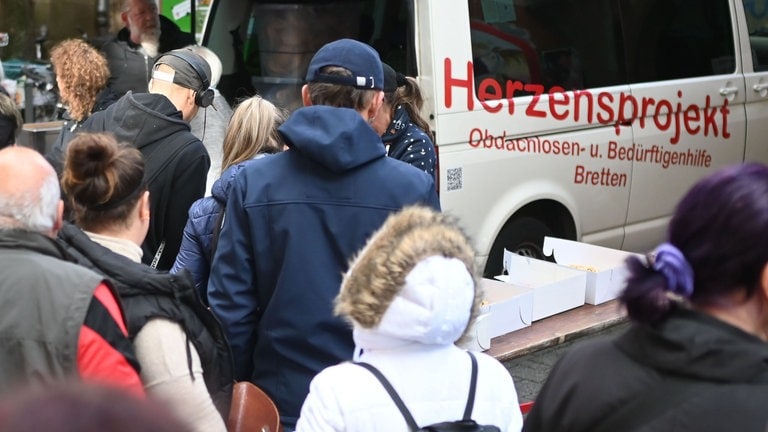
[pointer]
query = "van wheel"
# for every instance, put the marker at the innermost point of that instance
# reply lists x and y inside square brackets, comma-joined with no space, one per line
[524,236]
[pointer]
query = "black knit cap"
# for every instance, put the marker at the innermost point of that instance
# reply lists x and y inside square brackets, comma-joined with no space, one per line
[392,79]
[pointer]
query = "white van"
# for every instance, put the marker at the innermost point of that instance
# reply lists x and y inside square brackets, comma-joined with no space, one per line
[580,119]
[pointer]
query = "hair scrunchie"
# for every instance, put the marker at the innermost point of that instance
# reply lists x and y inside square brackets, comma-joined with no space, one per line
[671,263]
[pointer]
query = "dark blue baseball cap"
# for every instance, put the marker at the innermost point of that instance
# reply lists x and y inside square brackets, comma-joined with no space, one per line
[357,57]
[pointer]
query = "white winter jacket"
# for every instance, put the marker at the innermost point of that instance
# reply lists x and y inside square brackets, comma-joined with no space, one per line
[431,376]
[432,381]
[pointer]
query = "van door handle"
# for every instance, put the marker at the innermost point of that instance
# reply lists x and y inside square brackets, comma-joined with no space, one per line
[727,91]
[760,87]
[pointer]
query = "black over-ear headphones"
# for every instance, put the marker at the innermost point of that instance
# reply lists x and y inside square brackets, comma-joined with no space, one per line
[203,95]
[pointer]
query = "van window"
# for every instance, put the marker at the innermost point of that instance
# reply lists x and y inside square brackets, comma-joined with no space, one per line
[578,44]
[757,24]
[566,45]
[278,39]
[672,39]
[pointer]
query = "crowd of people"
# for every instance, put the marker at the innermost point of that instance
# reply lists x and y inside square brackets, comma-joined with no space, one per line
[149,262]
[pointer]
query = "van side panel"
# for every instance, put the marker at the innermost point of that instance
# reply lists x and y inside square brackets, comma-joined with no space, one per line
[684,128]
[499,156]
[752,20]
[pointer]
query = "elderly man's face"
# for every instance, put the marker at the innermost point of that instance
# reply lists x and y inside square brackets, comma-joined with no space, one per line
[143,21]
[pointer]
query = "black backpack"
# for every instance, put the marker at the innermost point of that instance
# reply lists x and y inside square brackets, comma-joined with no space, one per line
[466,424]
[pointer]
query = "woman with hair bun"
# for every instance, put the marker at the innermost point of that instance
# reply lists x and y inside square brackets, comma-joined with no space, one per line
[181,348]
[695,357]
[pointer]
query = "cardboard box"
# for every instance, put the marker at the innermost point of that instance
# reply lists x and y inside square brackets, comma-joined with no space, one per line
[505,308]
[510,307]
[555,288]
[478,337]
[604,267]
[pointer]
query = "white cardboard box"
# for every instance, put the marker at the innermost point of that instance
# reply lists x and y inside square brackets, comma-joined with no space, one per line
[505,308]
[510,307]
[477,338]
[610,272]
[555,288]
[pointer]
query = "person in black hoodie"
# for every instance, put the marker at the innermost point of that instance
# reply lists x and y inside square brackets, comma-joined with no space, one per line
[157,123]
[695,358]
[184,356]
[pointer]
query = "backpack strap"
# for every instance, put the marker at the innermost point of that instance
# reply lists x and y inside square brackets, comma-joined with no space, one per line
[217,224]
[158,254]
[472,388]
[393,394]
[401,405]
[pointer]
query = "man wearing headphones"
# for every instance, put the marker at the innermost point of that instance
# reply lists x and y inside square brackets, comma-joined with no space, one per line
[177,163]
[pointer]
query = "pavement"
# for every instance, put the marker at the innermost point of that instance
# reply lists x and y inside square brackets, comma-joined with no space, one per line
[531,370]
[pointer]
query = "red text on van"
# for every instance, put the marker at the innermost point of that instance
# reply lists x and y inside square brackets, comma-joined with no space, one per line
[602,108]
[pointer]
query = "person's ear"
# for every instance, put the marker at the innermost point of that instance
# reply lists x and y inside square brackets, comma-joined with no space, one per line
[762,293]
[191,97]
[124,17]
[764,282]
[144,206]
[305,99]
[376,104]
[59,221]
[190,108]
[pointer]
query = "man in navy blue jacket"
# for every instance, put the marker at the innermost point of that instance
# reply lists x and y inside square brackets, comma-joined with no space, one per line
[293,220]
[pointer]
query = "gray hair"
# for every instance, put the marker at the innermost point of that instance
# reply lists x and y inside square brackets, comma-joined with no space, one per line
[31,212]
[125,5]
[213,61]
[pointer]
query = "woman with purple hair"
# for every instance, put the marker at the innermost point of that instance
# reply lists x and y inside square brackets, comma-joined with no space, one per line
[695,356]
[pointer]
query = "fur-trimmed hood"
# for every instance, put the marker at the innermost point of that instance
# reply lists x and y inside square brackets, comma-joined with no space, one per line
[414,281]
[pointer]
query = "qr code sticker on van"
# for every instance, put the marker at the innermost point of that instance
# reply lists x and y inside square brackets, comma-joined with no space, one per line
[455,179]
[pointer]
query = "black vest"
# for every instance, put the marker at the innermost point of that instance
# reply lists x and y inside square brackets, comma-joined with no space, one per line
[147,293]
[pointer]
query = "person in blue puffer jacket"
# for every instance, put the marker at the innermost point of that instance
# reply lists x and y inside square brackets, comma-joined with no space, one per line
[251,134]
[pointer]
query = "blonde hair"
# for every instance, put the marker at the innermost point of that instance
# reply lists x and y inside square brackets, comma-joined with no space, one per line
[252,130]
[81,73]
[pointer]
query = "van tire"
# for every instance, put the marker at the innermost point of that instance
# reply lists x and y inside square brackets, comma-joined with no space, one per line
[523,235]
